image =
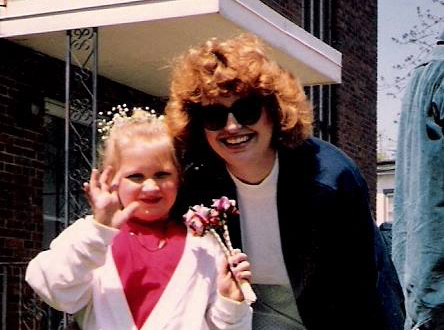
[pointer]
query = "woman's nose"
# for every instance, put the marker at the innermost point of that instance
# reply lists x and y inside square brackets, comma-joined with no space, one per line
[232,124]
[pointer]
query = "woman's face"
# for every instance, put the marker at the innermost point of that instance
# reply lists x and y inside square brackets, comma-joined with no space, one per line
[241,145]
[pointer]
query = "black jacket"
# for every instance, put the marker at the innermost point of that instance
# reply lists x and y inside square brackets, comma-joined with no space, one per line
[336,260]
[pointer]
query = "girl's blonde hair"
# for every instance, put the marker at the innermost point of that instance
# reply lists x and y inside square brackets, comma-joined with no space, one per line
[141,126]
[237,66]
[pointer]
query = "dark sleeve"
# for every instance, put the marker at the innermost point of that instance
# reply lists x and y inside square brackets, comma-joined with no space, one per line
[374,273]
[353,282]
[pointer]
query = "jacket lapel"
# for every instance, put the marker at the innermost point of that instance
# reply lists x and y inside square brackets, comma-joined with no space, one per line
[294,202]
[115,295]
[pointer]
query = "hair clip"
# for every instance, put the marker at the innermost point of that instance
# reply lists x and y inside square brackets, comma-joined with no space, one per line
[119,116]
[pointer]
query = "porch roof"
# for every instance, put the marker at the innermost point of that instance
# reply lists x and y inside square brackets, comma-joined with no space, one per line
[139,38]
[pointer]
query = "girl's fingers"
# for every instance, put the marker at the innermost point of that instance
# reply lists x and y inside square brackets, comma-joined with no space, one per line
[244,265]
[103,180]
[115,183]
[236,258]
[86,189]
[224,269]
[246,276]
[93,181]
[240,267]
[125,214]
[223,265]
[226,284]
[242,274]
[242,271]
[225,277]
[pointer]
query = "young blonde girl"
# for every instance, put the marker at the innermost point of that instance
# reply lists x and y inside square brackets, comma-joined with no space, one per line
[132,265]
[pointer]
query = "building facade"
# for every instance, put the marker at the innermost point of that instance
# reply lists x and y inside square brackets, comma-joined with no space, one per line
[345,112]
[330,44]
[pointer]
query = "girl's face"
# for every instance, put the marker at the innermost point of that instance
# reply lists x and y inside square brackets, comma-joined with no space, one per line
[148,175]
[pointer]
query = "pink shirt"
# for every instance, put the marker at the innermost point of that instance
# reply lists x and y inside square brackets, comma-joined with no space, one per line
[144,268]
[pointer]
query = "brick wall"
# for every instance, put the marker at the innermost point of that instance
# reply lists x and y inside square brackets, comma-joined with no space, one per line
[21,169]
[291,10]
[355,36]
[21,164]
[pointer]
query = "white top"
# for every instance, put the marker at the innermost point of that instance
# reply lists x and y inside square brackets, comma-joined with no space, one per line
[261,239]
[78,275]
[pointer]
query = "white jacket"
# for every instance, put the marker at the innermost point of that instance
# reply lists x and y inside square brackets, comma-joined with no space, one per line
[78,275]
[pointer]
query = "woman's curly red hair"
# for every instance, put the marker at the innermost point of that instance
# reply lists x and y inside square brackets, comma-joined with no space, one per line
[236,66]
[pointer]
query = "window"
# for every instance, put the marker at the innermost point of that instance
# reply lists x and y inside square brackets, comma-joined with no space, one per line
[317,20]
[388,205]
[321,99]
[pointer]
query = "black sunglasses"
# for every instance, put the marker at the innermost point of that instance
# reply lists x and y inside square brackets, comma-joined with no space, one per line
[247,111]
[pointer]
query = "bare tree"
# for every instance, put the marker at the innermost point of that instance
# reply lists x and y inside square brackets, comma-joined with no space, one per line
[422,37]
[386,147]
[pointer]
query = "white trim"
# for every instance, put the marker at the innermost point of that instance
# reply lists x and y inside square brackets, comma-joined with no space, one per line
[20,9]
[391,172]
[283,34]
[21,21]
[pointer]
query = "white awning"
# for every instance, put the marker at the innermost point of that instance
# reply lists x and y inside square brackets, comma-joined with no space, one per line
[138,39]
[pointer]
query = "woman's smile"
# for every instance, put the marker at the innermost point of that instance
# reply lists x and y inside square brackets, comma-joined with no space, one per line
[240,140]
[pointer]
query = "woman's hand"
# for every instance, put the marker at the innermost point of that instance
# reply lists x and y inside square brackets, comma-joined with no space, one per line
[104,199]
[240,269]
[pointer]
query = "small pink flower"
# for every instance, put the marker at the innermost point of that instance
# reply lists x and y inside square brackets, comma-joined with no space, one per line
[200,218]
[202,212]
[196,226]
[224,204]
[214,218]
[197,219]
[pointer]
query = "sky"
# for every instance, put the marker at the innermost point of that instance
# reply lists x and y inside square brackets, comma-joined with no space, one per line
[395,17]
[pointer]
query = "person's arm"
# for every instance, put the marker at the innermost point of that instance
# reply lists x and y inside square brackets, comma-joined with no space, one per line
[364,263]
[228,308]
[63,275]
[225,313]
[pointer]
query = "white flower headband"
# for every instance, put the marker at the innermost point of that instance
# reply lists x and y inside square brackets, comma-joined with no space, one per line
[120,116]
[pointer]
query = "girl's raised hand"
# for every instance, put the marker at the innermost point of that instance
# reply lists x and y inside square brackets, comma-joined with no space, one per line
[104,199]
[240,269]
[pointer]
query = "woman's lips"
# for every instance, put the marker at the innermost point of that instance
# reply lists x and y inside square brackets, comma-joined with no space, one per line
[238,140]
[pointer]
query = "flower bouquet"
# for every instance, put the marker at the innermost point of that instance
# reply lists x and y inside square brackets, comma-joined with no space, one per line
[202,220]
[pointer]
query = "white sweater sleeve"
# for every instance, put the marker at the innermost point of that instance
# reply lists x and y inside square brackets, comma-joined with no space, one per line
[223,313]
[228,314]
[63,275]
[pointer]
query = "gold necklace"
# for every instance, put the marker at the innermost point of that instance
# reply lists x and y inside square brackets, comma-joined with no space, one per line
[160,245]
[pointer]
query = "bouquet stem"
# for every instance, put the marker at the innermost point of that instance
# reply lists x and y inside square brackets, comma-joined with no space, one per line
[244,285]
